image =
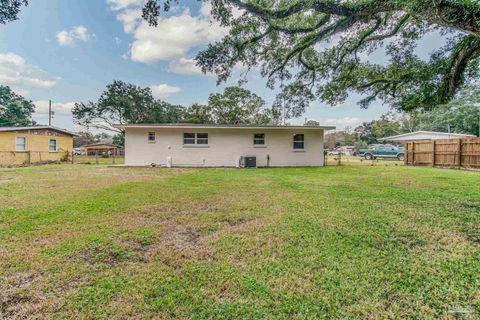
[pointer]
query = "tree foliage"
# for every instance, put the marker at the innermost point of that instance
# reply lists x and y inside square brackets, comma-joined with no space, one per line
[239,106]
[15,110]
[85,137]
[461,115]
[313,48]
[123,103]
[198,113]
[9,9]
[235,105]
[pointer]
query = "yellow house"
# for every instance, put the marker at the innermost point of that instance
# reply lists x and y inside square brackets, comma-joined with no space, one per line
[36,144]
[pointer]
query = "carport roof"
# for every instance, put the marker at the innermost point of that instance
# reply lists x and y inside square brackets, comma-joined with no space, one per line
[425,135]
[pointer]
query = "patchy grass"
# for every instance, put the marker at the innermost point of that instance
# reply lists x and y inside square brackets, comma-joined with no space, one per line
[335,160]
[336,242]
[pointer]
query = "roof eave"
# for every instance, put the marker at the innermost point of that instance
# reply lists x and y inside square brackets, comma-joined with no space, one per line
[173,126]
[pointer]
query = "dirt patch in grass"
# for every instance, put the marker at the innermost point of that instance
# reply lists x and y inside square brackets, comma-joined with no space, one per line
[472,232]
[180,233]
[429,241]
[16,299]
[159,215]
[182,237]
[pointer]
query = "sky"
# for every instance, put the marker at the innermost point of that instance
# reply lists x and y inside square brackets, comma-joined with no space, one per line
[69,51]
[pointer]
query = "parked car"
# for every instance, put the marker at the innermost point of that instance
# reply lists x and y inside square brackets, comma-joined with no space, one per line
[382,151]
[77,151]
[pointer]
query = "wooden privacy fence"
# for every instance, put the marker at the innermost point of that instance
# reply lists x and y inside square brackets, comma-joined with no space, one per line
[444,153]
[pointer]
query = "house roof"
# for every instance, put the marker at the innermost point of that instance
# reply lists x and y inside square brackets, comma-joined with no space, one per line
[219,126]
[426,135]
[9,129]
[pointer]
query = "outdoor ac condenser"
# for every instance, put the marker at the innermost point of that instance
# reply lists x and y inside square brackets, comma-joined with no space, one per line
[247,162]
[250,162]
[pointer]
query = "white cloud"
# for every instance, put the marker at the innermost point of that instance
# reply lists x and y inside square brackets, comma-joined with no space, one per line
[118,40]
[72,36]
[122,4]
[21,76]
[62,116]
[184,66]
[344,122]
[57,107]
[163,90]
[130,19]
[173,38]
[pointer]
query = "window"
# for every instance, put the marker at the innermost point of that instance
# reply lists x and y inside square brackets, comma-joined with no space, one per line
[52,145]
[202,138]
[298,141]
[195,138]
[151,137]
[21,144]
[189,138]
[259,139]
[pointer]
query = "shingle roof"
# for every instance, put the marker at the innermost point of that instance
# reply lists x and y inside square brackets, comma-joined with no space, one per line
[7,129]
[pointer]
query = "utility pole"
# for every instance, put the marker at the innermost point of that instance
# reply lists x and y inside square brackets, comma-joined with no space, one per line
[49,112]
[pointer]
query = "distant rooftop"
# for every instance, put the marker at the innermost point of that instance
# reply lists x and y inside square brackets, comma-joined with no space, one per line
[8,129]
[219,126]
[426,135]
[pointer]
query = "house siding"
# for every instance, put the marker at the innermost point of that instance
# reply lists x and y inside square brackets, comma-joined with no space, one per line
[37,147]
[225,147]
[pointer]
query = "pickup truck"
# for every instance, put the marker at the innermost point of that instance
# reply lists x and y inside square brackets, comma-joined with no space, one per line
[382,151]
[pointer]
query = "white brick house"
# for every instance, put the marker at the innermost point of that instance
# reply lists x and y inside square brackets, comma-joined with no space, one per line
[194,145]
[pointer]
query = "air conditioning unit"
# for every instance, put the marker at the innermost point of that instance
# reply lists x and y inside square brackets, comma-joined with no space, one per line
[249,162]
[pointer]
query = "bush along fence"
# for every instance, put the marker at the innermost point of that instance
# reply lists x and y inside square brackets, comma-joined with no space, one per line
[453,153]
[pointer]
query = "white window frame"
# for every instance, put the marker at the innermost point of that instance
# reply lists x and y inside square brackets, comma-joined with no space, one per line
[56,145]
[195,140]
[25,143]
[154,137]
[303,141]
[264,144]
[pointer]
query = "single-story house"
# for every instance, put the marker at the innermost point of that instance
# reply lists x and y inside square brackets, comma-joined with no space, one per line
[100,149]
[223,145]
[25,145]
[425,136]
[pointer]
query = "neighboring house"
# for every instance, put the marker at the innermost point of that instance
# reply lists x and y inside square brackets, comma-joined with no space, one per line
[223,145]
[100,149]
[25,145]
[425,136]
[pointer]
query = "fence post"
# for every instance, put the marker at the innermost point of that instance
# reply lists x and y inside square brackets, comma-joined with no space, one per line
[433,153]
[113,158]
[459,147]
[73,155]
[413,153]
[29,157]
[96,156]
[405,156]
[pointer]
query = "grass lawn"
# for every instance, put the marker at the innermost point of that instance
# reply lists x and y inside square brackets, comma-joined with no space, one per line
[335,242]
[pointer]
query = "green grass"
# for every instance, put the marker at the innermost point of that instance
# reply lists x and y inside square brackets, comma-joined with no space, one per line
[96,242]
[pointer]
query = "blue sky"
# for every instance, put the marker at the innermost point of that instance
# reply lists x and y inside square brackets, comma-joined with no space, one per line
[68,51]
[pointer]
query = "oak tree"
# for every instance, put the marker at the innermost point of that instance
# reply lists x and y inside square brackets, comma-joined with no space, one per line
[313,49]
